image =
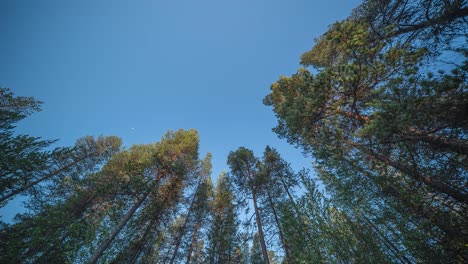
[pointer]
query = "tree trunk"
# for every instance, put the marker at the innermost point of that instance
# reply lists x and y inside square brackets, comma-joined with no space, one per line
[415,210]
[166,256]
[77,210]
[178,239]
[280,229]
[299,216]
[194,240]
[386,240]
[131,253]
[260,228]
[182,231]
[436,142]
[46,177]
[135,249]
[105,244]
[436,216]
[440,142]
[439,186]
[447,16]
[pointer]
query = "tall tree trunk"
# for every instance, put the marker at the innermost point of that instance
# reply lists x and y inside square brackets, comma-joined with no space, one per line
[194,240]
[386,240]
[416,210]
[43,178]
[135,250]
[436,185]
[439,142]
[449,15]
[260,228]
[166,256]
[280,229]
[178,239]
[105,244]
[182,231]
[436,216]
[76,210]
[299,216]
[435,141]
[131,253]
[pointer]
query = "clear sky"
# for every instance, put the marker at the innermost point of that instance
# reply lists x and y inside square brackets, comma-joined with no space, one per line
[135,69]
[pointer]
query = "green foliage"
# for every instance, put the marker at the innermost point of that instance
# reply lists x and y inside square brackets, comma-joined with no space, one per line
[387,132]
[223,244]
[256,256]
[21,156]
[376,103]
[88,199]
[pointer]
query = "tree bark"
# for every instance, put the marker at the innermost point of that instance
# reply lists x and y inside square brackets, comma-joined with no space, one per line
[131,253]
[166,256]
[179,238]
[260,228]
[435,141]
[182,231]
[443,18]
[386,240]
[105,244]
[194,240]
[418,211]
[280,229]
[440,142]
[46,177]
[438,186]
[299,216]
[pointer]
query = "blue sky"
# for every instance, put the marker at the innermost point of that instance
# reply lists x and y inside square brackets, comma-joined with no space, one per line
[105,67]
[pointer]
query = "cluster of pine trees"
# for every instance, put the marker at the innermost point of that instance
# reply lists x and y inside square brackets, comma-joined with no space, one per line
[381,106]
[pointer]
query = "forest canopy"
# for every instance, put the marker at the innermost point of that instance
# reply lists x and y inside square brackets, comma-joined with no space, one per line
[380,105]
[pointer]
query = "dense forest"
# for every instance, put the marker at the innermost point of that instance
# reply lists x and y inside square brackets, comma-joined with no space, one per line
[380,106]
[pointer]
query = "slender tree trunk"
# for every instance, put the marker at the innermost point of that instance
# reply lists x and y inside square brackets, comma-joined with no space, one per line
[436,142]
[131,253]
[299,216]
[447,16]
[166,256]
[182,231]
[105,244]
[386,240]
[192,244]
[178,239]
[440,142]
[135,250]
[77,210]
[46,177]
[280,229]
[420,211]
[260,228]
[229,251]
[340,254]
[351,248]
[439,186]
[415,210]
[143,240]
[436,185]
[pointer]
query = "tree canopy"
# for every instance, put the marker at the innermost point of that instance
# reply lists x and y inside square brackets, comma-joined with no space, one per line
[376,105]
